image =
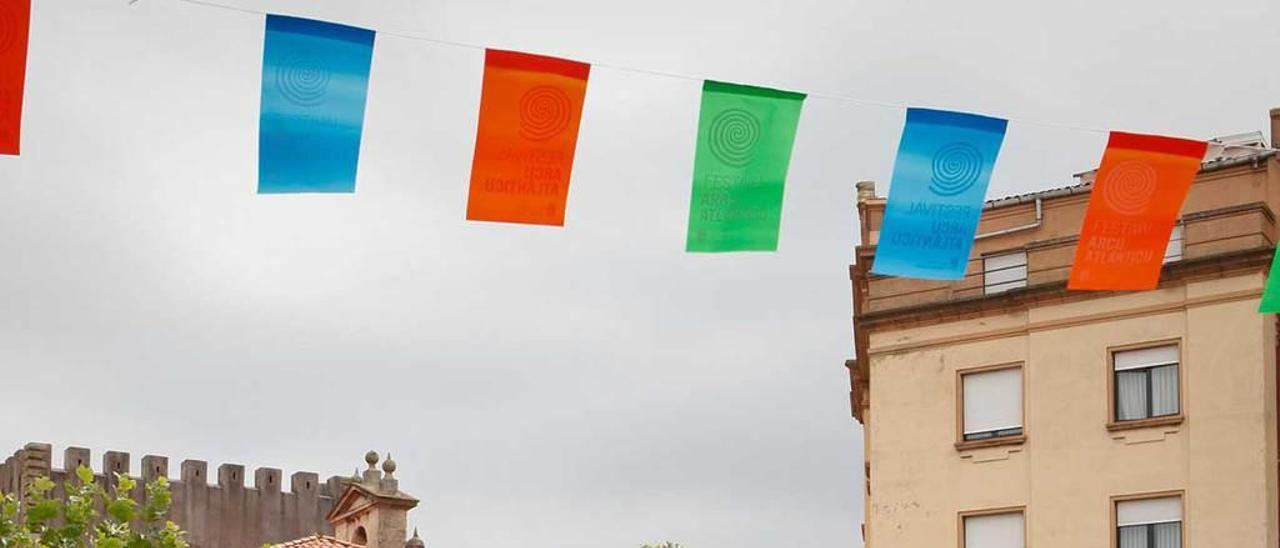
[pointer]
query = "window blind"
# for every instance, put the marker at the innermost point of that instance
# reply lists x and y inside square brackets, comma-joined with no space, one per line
[1146,357]
[992,400]
[994,531]
[1148,511]
[1173,251]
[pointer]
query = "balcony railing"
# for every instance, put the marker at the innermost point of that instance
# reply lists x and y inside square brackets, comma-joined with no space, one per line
[1199,235]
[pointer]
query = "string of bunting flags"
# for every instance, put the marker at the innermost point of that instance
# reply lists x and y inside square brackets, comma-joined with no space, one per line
[315,78]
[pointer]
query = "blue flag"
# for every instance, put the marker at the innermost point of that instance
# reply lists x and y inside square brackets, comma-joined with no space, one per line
[939,182]
[314,80]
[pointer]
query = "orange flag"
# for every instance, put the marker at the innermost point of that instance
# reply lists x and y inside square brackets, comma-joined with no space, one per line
[1136,198]
[530,108]
[15,17]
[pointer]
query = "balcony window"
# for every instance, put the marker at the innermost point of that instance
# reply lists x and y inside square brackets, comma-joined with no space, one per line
[1003,272]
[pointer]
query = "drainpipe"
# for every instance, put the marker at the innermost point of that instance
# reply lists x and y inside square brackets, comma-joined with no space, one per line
[1039,220]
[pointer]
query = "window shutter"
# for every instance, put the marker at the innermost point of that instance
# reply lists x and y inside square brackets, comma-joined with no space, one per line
[992,400]
[994,531]
[1148,511]
[1004,272]
[1146,357]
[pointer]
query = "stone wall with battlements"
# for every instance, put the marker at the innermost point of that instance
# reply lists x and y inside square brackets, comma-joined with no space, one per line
[223,514]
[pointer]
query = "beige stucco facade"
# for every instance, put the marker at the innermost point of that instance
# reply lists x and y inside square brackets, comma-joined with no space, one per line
[1073,460]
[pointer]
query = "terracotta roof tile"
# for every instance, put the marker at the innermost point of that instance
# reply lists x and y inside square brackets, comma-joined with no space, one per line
[317,541]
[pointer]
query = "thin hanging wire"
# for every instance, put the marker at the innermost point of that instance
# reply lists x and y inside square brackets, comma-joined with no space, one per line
[408,35]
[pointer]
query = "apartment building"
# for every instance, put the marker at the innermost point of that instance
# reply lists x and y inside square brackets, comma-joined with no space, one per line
[1004,411]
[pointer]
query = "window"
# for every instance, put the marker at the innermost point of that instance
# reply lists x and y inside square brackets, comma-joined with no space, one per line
[1149,523]
[1146,383]
[1001,273]
[1173,252]
[992,403]
[994,531]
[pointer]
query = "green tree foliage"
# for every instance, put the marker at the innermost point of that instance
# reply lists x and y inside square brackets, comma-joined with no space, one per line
[38,521]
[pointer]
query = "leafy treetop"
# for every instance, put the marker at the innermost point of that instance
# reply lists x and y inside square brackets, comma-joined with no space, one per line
[38,521]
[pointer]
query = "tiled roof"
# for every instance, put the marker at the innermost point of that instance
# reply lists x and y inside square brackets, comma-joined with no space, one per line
[1031,196]
[1217,159]
[317,541]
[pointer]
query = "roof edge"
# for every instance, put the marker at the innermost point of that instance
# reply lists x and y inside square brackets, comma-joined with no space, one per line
[1082,188]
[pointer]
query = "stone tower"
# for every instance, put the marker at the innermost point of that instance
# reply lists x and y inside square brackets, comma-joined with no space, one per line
[373,512]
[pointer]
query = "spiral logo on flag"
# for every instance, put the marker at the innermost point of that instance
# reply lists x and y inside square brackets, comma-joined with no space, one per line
[733,136]
[303,81]
[545,111]
[1129,187]
[956,167]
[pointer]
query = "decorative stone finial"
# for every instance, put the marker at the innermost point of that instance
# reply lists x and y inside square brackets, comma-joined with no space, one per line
[389,466]
[866,190]
[371,477]
[416,541]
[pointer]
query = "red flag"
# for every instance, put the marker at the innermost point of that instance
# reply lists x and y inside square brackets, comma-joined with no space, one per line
[530,107]
[15,17]
[1136,198]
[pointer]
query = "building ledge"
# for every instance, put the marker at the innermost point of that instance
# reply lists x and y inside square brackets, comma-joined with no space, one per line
[1056,291]
[1121,426]
[992,442]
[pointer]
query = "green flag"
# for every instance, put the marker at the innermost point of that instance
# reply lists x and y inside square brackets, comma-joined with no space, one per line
[1271,295]
[744,145]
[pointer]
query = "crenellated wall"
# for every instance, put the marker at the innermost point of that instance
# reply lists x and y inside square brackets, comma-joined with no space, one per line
[224,514]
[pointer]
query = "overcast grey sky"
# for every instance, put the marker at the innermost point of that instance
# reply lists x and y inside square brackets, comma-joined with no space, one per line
[590,386]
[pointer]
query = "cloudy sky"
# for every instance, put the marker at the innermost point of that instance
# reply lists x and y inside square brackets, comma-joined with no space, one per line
[590,386]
